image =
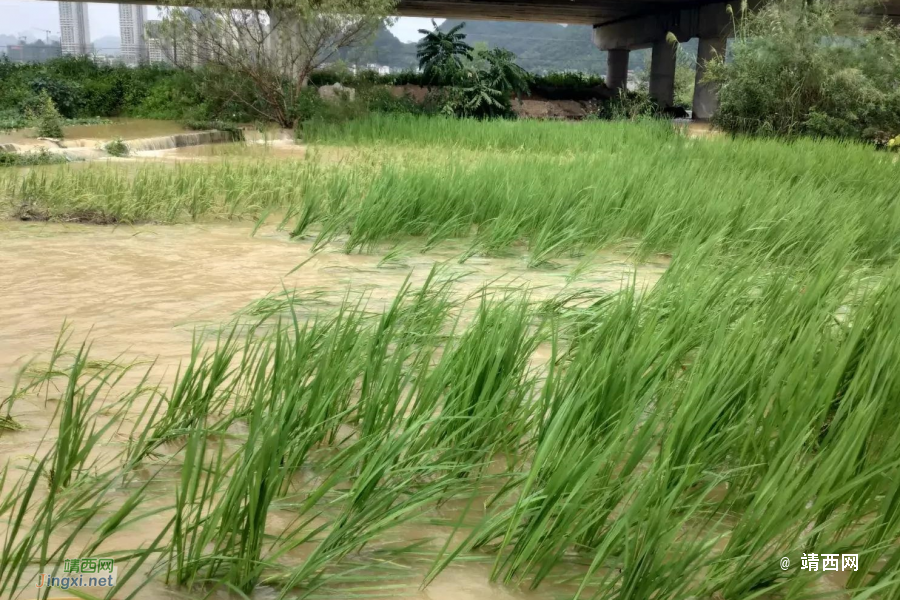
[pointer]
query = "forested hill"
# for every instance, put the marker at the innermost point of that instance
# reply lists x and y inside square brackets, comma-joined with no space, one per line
[539,47]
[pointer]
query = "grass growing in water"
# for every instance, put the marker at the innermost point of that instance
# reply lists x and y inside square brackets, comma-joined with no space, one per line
[668,444]
[627,181]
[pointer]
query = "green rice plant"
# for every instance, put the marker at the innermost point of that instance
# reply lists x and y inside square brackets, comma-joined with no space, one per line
[68,493]
[668,442]
[632,183]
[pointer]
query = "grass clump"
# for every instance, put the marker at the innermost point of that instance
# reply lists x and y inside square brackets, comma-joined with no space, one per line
[42,156]
[117,147]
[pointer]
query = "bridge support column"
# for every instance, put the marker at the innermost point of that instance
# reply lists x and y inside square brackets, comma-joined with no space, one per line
[706,94]
[662,73]
[617,69]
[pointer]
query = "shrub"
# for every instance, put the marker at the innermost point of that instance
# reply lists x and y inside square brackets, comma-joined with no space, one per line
[629,106]
[49,123]
[117,147]
[42,156]
[12,119]
[810,68]
[570,80]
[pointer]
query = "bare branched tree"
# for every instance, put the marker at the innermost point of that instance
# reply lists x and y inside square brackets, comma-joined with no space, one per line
[264,51]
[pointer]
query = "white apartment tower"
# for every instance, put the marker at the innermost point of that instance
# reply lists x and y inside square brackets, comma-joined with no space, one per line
[74,27]
[132,19]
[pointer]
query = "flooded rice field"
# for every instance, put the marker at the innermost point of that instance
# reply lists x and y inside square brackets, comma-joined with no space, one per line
[140,294]
[144,289]
[257,420]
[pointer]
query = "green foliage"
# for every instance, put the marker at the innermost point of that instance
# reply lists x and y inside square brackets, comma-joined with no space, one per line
[811,68]
[629,106]
[117,147]
[685,76]
[228,126]
[13,119]
[82,89]
[477,82]
[41,156]
[573,80]
[498,67]
[49,123]
[339,73]
[312,110]
[442,54]
[484,85]
[567,85]
[514,182]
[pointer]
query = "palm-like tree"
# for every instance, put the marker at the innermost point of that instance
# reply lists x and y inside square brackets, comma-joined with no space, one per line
[441,55]
[504,74]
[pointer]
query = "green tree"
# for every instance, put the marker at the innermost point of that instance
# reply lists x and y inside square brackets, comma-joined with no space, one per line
[262,54]
[49,123]
[441,55]
[502,72]
[485,85]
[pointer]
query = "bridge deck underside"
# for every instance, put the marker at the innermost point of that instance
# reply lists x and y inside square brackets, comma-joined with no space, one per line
[585,12]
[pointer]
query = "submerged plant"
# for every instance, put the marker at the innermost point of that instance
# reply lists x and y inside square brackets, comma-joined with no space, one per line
[117,147]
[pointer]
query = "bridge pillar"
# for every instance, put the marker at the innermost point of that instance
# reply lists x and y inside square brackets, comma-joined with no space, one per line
[662,73]
[617,69]
[710,22]
[706,94]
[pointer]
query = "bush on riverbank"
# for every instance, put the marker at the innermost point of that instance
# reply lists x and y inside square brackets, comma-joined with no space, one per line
[49,123]
[82,89]
[811,68]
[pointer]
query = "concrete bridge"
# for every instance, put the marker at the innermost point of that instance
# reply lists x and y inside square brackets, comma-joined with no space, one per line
[624,25]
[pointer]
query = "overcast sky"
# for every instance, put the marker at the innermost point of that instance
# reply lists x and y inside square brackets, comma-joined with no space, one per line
[31,16]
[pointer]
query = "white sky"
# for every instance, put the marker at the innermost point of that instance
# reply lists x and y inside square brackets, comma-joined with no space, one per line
[21,17]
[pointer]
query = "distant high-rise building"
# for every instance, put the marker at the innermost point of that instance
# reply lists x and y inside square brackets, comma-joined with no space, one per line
[33,53]
[178,43]
[132,19]
[157,48]
[74,27]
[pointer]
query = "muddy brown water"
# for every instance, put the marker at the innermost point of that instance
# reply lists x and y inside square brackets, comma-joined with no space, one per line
[141,292]
[127,129]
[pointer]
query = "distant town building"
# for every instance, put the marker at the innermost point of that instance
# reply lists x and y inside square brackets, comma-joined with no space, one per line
[132,20]
[33,53]
[156,50]
[74,27]
[177,43]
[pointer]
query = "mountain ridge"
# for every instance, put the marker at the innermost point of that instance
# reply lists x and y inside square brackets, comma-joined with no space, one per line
[539,47]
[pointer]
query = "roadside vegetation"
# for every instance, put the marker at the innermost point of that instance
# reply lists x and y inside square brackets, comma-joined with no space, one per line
[818,69]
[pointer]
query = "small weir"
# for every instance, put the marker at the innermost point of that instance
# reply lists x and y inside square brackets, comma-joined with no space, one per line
[182,140]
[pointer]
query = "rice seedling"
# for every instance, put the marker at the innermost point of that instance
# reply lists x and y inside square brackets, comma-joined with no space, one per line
[640,182]
[667,443]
